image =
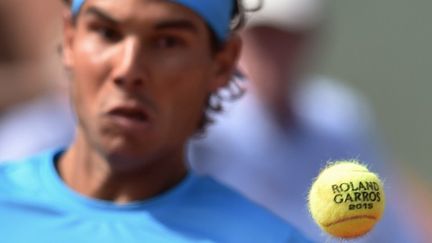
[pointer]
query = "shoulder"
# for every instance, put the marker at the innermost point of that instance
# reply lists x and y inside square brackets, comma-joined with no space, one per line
[237,216]
[23,175]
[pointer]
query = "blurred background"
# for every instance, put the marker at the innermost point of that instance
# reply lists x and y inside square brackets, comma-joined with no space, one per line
[34,109]
[382,48]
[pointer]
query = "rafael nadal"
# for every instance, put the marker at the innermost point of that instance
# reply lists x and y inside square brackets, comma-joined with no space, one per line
[142,72]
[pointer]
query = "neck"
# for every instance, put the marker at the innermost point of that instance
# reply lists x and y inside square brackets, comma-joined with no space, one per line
[90,173]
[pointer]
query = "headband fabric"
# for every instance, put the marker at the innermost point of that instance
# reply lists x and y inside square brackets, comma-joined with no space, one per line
[216,13]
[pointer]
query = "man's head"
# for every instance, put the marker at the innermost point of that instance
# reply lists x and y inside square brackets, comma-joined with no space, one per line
[278,42]
[142,72]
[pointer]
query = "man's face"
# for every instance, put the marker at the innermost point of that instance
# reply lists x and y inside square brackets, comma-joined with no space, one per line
[142,71]
[274,58]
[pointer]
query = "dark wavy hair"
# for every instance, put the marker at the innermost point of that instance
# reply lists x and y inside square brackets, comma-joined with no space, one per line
[233,90]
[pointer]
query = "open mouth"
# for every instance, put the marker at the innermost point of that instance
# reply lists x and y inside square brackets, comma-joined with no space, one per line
[130,113]
[130,117]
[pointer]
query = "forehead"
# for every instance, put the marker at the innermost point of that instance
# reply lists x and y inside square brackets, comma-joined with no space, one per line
[143,11]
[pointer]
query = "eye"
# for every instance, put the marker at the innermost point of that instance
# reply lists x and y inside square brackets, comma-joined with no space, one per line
[168,42]
[106,33]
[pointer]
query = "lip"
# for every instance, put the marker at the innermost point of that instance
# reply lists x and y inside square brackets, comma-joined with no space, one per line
[130,116]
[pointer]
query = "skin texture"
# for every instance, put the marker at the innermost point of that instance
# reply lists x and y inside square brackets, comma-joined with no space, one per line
[146,55]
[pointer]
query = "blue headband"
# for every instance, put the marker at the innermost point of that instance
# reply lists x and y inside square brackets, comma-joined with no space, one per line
[217,13]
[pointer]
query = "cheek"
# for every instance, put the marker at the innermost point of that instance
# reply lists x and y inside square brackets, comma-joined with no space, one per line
[185,111]
[90,71]
[184,95]
[188,78]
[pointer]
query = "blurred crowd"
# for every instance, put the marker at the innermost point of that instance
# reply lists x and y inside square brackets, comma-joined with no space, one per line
[34,110]
[269,144]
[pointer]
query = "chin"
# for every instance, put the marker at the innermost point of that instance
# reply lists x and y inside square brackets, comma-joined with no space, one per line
[124,153]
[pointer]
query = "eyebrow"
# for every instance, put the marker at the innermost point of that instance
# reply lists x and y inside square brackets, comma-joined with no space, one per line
[101,14]
[176,24]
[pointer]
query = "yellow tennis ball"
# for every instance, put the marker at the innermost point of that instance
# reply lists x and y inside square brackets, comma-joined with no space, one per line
[346,199]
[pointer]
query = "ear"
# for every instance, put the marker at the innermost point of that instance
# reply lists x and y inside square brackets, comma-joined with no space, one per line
[226,62]
[68,38]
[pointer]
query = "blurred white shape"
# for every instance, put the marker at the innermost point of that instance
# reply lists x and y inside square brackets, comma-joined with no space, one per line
[287,14]
[334,107]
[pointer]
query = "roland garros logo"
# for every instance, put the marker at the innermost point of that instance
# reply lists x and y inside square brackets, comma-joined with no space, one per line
[358,195]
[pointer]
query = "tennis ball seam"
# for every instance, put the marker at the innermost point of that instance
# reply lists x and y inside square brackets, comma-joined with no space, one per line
[350,218]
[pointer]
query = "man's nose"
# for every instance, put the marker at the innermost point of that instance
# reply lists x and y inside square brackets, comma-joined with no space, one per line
[129,70]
